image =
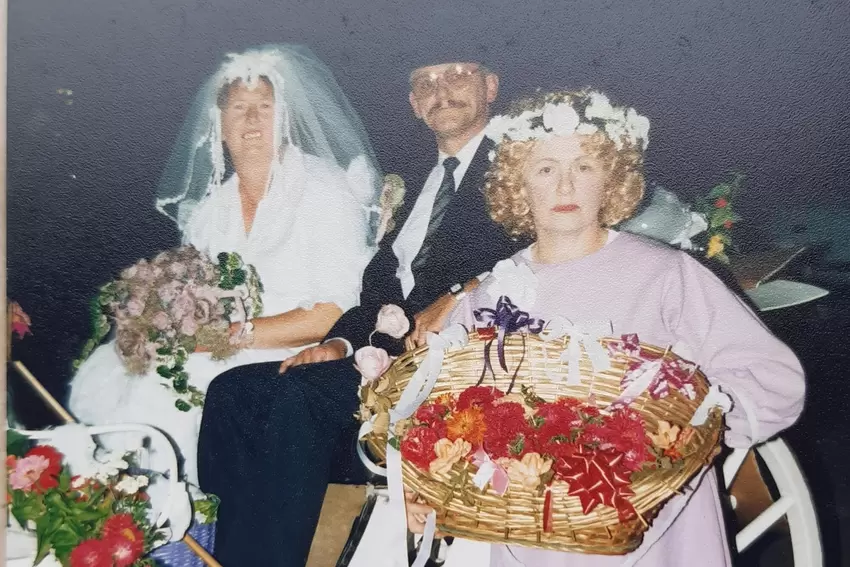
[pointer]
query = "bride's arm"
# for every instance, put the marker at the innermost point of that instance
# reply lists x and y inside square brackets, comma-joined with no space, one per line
[294,328]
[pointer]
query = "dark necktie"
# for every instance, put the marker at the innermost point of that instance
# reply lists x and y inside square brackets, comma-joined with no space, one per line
[441,203]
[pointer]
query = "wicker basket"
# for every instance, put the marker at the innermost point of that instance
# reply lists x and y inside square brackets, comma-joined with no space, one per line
[517,516]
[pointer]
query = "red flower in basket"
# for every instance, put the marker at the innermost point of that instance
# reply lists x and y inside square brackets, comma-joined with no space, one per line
[417,447]
[624,432]
[124,539]
[91,553]
[507,431]
[477,396]
[432,412]
[559,419]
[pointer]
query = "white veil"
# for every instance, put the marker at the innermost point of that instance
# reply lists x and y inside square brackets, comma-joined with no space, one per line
[311,113]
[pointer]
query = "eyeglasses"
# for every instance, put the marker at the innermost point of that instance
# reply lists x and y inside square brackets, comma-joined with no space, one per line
[457,76]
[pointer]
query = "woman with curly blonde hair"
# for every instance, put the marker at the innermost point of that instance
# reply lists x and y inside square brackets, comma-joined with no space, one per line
[567,167]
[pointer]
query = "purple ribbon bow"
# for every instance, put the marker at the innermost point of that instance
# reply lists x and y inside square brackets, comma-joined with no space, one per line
[507,318]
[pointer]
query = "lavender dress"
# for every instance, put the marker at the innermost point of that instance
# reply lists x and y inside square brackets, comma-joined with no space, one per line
[667,298]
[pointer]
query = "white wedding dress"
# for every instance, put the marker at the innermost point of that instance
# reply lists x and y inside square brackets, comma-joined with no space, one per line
[308,243]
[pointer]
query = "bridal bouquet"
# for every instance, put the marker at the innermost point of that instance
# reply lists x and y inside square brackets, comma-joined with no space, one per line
[167,308]
[97,521]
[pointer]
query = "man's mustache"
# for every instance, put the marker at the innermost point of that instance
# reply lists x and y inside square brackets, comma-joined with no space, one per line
[447,104]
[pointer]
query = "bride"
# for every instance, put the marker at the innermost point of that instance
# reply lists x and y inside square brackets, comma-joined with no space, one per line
[274,164]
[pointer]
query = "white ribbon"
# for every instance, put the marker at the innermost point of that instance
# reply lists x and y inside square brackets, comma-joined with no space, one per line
[414,394]
[423,380]
[714,398]
[559,327]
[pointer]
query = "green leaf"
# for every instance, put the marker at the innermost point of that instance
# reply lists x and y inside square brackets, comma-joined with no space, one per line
[16,443]
[182,405]
[164,371]
[517,445]
[394,443]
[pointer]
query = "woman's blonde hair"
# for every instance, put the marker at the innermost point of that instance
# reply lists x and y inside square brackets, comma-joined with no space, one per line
[505,189]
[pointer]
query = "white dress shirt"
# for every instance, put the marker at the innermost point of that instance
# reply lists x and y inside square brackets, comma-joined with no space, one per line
[412,234]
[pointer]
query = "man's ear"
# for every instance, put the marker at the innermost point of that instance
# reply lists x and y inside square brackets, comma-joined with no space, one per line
[415,105]
[492,82]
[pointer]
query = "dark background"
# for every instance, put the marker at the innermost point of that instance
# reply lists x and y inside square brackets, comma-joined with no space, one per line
[759,86]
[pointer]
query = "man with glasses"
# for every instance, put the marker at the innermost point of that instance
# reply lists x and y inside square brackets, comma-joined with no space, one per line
[274,435]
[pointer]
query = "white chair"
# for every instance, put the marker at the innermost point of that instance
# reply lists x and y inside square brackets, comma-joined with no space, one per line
[794,503]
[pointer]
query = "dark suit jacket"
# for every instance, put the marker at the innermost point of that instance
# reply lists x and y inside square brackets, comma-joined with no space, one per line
[466,244]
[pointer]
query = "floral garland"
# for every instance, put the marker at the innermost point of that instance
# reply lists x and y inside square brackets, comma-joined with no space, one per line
[168,308]
[564,114]
[94,521]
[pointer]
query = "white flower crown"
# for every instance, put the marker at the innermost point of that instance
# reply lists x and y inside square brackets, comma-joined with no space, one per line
[565,114]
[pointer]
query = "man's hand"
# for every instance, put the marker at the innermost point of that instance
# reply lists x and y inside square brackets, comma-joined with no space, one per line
[432,318]
[331,350]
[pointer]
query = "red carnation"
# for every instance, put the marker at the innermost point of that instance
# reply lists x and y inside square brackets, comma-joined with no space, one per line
[431,413]
[417,447]
[124,552]
[478,396]
[508,433]
[122,527]
[559,419]
[727,224]
[91,553]
[720,203]
[625,432]
[50,476]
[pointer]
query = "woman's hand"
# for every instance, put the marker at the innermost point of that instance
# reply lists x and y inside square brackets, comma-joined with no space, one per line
[417,513]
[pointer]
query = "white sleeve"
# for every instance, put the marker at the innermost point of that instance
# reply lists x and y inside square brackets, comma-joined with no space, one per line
[338,250]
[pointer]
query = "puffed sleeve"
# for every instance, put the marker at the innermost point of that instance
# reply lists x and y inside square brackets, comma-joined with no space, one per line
[339,241]
[735,350]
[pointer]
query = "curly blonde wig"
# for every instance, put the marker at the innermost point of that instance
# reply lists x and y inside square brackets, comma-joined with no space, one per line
[505,189]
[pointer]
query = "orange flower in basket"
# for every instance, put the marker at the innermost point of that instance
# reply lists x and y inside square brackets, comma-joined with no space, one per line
[467,424]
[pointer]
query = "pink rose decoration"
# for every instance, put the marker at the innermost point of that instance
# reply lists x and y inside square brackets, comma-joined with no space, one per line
[135,307]
[161,321]
[371,362]
[392,321]
[189,326]
[27,471]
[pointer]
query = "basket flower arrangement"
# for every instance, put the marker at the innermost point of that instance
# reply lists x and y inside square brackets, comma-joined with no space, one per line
[95,521]
[538,434]
[167,308]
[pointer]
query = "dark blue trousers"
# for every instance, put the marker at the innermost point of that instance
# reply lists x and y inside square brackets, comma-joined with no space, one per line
[269,445]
